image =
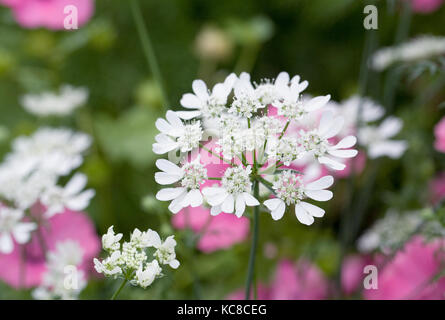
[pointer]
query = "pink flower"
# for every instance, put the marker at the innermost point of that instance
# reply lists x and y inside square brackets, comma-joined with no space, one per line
[439,132]
[48,13]
[358,162]
[426,6]
[301,281]
[352,272]
[219,232]
[70,225]
[410,274]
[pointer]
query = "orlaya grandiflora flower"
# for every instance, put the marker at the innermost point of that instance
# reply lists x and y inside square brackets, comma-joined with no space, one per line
[12,227]
[191,175]
[234,193]
[56,198]
[250,139]
[377,139]
[317,142]
[290,189]
[176,135]
[209,104]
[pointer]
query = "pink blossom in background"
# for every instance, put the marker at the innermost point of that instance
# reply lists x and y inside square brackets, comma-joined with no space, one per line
[439,133]
[262,294]
[219,232]
[300,281]
[426,6]
[358,162]
[352,273]
[48,13]
[410,273]
[70,225]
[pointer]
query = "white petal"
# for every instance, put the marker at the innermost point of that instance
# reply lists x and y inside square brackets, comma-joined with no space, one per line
[346,142]
[168,194]
[317,102]
[240,205]
[331,163]
[22,232]
[193,198]
[81,201]
[176,205]
[190,101]
[272,204]
[390,127]
[228,204]
[335,128]
[200,89]
[303,216]
[250,200]
[187,115]
[351,153]
[214,211]
[163,126]
[391,148]
[76,184]
[322,183]
[312,210]
[215,195]
[282,79]
[168,166]
[319,195]
[174,264]
[166,178]
[277,208]
[6,244]
[174,120]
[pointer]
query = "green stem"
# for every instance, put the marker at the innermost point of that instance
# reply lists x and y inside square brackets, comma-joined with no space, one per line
[284,130]
[253,249]
[148,50]
[119,289]
[214,154]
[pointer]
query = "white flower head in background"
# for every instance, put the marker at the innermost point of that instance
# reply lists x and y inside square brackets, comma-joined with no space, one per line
[131,260]
[378,142]
[12,227]
[422,47]
[72,196]
[68,254]
[55,104]
[255,129]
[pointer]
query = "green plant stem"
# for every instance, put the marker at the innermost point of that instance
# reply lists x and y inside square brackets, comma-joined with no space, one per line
[253,248]
[113,297]
[148,50]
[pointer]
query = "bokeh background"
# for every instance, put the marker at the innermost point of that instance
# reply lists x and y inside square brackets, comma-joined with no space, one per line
[321,40]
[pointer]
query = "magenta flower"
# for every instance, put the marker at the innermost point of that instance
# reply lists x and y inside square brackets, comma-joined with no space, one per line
[352,273]
[25,266]
[300,281]
[411,273]
[218,232]
[48,14]
[426,6]
[439,133]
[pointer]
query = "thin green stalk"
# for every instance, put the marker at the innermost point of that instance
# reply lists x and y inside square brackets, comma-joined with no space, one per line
[284,130]
[214,154]
[253,248]
[113,297]
[148,50]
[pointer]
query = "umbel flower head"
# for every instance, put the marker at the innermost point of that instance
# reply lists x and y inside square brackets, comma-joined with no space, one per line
[260,133]
[131,261]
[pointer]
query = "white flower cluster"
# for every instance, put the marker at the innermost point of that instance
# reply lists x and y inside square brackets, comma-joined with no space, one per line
[361,114]
[423,47]
[258,128]
[55,104]
[130,261]
[63,278]
[29,175]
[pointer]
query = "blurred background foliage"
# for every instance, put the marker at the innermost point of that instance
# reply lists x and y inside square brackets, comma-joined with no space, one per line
[321,40]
